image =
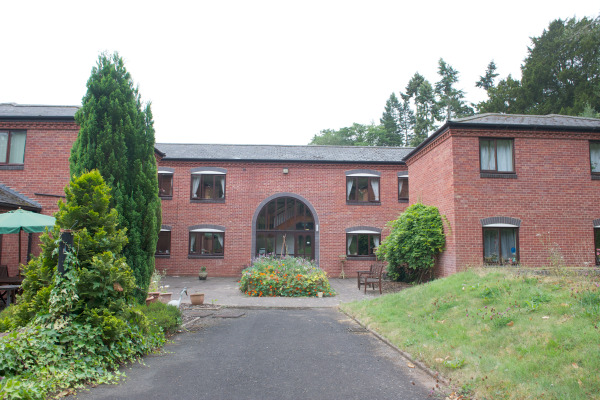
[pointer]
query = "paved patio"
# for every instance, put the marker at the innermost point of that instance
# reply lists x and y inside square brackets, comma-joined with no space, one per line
[225,292]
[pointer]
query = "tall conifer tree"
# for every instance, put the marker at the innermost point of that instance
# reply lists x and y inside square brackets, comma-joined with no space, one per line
[116,137]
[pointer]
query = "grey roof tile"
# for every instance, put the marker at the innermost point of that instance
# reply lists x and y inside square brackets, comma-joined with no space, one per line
[11,197]
[33,111]
[551,120]
[247,152]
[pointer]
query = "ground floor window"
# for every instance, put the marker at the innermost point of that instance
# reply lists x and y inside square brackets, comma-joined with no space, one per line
[362,244]
[296,244]
[596,244]
[163,246]
[500,245]
[206,243]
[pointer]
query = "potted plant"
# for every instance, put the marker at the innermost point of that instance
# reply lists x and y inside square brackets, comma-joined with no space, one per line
[202,274]
[197,298]
[153,289]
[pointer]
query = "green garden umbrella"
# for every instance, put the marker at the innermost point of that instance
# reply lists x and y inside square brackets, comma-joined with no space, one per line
[21,220]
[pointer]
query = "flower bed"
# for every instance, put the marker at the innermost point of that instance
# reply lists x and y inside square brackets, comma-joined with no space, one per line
[286,277]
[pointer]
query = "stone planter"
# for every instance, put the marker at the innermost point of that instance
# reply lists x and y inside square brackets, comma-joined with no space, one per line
[165,297]
[197,298]
[152,297]
[202,275]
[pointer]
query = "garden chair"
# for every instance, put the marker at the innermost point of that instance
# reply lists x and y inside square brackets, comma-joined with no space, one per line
[371,277]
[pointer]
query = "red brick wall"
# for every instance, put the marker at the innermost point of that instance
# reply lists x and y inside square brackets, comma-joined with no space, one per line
[553,195]
[45,172]
[431,180]
[247,185]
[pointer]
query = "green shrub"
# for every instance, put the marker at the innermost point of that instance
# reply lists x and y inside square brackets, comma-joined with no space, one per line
[286,277]
[76,327]
[163,316]
[416,237]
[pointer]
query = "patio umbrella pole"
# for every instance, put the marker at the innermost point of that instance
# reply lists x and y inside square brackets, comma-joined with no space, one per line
[20,246]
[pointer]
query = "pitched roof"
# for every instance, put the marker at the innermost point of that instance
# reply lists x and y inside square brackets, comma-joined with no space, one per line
[34,111]
[11,198]
[276,153]
[551,122]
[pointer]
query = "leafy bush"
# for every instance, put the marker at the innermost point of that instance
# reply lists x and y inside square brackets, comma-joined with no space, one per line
[416,237]
[79,326]
[163,316]
[286,277]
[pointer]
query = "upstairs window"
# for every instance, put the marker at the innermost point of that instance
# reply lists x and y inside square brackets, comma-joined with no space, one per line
[403,188]
[163,246]
[595,158]
[208,185]
[496,155]
[12,147]
[203,243]
[362,186]
[165,184]
[362,242]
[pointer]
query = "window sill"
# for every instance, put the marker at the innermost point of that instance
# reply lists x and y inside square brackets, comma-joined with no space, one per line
[166,197]
[361,258]
[207,201]
[363,203]
[402,200]
[194,256]
[16,167]
[498,175]
[595,177]
[162,256]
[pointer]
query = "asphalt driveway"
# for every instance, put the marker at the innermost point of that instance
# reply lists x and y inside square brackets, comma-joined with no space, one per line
[272,354]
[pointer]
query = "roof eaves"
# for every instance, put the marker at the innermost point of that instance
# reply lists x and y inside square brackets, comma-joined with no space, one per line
[270,160]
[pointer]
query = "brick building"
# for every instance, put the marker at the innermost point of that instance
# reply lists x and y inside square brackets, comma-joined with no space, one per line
[513,189]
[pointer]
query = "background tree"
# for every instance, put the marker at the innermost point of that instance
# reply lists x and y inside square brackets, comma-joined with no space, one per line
[406,118]
[355,135]
[486,81]
[391,123]
[451,101]
[426,113]
[117,138]
[561,74]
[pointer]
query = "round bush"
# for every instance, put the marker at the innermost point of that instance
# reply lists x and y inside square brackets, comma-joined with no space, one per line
[285,277]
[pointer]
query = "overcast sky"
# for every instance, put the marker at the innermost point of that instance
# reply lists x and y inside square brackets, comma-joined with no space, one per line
[264,72]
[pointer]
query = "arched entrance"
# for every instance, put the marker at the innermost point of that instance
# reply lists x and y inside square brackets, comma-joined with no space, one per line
[285,224]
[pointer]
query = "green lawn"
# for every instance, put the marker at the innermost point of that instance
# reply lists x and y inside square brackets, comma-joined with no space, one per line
[496,334]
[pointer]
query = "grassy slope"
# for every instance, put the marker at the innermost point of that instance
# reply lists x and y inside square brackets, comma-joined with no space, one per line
[498,335]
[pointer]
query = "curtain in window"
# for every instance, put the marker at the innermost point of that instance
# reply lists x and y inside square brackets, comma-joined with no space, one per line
[508,241]
[195,185]
[351,245]
[486,150]
[3,145]
[222,193]
[594,156]
[349,184]
[400,184]
[220,239]
[375,241]
[490,245]
[375,188]
[504,148]
[193,243]
[17,148]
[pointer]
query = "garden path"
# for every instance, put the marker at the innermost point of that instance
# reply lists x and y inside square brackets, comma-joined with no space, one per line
[272,354]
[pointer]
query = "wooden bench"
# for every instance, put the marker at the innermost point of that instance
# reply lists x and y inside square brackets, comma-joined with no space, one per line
[371,277]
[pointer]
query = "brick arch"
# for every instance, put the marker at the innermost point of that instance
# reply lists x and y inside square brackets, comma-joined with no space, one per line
[501,220]
[297,197]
